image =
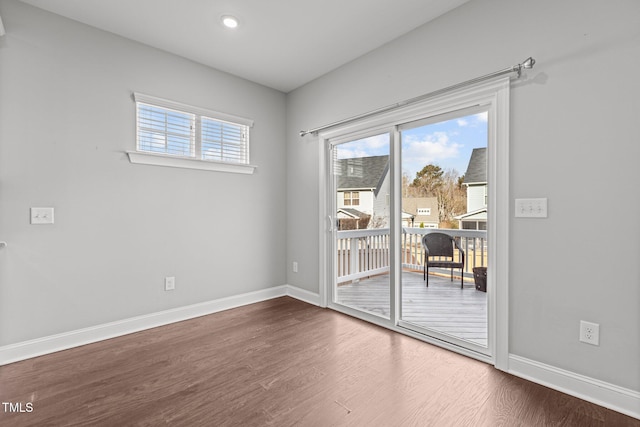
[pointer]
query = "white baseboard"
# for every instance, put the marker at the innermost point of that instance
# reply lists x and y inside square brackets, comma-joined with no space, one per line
[303,295]
[50,344]
[610,396]
[617,398]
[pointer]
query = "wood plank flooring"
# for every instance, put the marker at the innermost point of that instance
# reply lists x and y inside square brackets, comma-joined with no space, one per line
[443,306]
[280,362]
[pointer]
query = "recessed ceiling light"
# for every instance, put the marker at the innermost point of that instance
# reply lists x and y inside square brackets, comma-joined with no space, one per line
[229,21]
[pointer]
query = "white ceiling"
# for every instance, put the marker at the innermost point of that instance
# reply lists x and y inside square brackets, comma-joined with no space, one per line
[282,44]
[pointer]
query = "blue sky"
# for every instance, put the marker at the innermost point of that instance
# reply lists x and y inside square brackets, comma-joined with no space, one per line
[447,144]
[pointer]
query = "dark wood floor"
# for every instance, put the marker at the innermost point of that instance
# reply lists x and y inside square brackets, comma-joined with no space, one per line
[279,363]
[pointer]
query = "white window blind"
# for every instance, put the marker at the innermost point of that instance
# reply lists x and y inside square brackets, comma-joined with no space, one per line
[161,130]
[179,130]
[224,141]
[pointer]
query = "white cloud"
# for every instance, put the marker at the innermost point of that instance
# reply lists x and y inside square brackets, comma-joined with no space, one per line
[431,149]
[378,141]
[377,145]
[482,117]
[351,152]
[472,121]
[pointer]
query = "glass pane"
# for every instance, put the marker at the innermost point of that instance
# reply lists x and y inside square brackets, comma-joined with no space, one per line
[444,178]
[362,186]
[165,131]
[223,141]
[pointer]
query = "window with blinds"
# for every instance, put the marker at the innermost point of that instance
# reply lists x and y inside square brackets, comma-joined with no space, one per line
[224,141]
[165,131]
[173,129]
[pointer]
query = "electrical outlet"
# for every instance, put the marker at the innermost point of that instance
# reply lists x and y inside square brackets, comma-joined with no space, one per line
[590,332]
[41,215]
[169,283]
[295,267]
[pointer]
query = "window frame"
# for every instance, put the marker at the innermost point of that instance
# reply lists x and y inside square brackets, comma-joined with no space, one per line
[194,161]
[351,198]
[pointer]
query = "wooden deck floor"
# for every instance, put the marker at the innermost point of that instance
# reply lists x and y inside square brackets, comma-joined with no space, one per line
[442,307]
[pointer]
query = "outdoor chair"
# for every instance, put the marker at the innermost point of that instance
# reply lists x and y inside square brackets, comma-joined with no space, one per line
[440,246]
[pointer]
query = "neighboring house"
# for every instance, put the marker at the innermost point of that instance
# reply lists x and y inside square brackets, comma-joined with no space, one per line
[475,179]
[420,212]
[352,219]
[363,192]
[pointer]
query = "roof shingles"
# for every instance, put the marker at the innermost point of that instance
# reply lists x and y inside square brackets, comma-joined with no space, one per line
[361,172]
[477,169]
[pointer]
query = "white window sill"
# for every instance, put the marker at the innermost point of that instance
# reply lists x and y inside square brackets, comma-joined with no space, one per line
[138,157]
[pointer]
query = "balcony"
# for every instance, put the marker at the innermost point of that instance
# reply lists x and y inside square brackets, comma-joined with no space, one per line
[363,281]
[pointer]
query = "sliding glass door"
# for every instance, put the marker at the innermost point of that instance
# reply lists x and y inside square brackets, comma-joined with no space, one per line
[360,183]
[444,204]
[434,171]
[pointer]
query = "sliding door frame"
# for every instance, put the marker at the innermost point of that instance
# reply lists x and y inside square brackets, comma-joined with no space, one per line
[494,94]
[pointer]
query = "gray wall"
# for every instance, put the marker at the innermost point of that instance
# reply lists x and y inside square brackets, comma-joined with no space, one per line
[573,139]
[66,120]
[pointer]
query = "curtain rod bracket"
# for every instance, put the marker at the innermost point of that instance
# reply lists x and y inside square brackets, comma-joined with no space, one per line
[524,65]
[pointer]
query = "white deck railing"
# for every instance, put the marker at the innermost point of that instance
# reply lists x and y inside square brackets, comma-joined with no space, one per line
[362,253]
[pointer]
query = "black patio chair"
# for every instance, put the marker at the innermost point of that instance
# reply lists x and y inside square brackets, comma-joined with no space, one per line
[440,246]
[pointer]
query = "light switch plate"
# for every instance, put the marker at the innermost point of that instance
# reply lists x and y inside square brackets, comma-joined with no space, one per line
[531,208]
[41,215]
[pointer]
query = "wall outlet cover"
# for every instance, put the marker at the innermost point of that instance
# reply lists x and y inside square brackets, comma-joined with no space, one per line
[590,333]
[531,208]
[41,215]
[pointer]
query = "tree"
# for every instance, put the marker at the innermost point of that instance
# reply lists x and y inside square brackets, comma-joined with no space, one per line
[408,190]
[446,186]
[429,180]
[451,196]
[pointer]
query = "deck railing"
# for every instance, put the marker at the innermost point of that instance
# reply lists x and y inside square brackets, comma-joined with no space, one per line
[362,253]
